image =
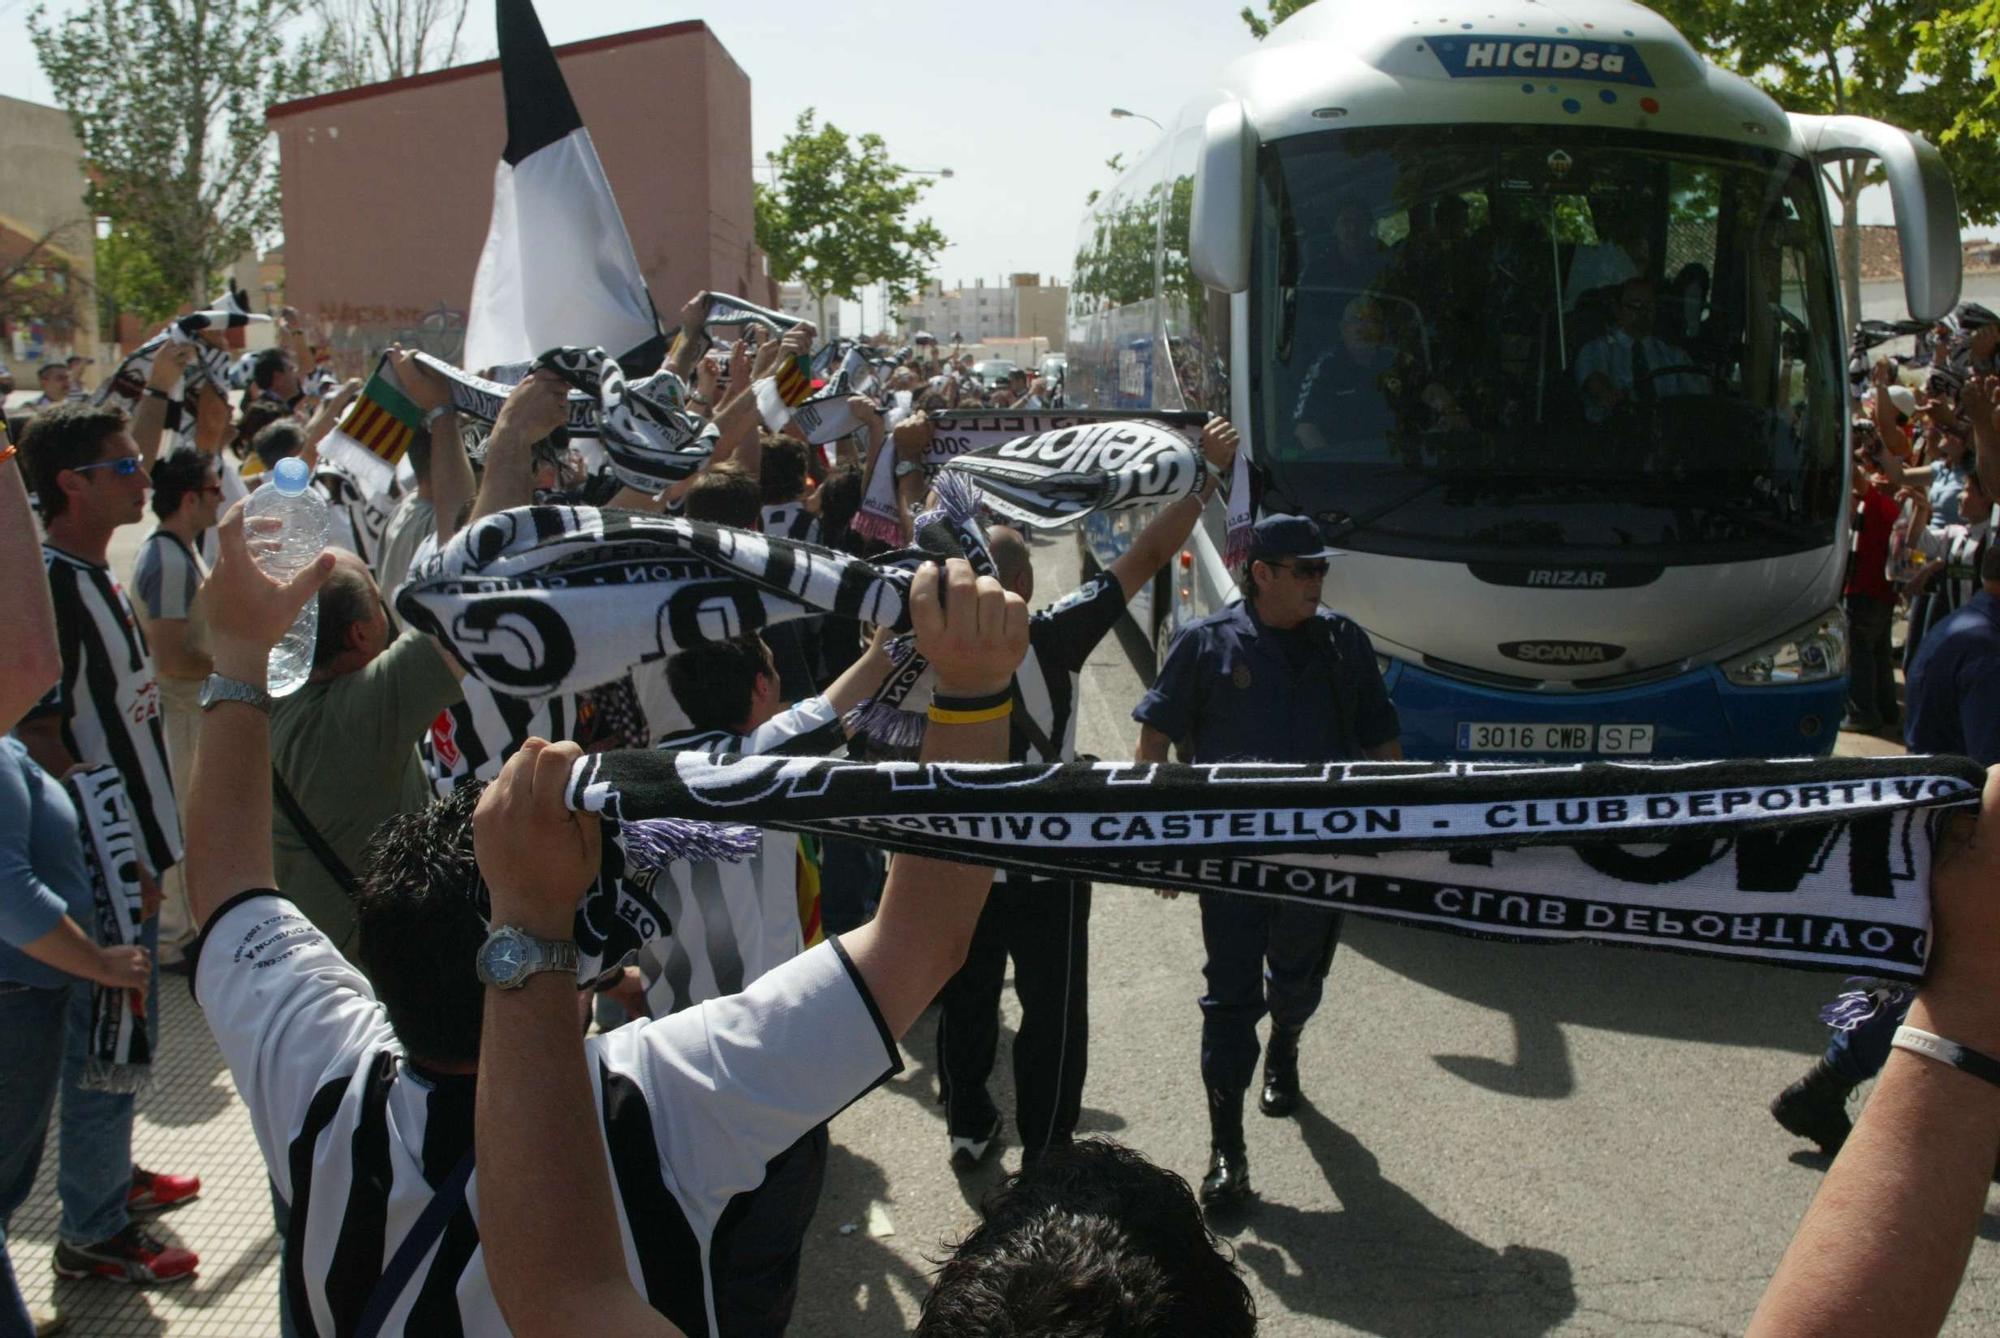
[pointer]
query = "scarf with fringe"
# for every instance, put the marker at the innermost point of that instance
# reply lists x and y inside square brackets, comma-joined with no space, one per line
[119,1053]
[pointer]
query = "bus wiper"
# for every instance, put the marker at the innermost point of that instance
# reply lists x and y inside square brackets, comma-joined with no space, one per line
[1336,524]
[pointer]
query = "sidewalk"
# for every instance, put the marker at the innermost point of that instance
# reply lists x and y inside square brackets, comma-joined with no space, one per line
[190,1122]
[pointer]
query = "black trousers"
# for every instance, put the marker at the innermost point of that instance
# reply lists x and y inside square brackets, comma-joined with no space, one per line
[1871,666]
[1045,928]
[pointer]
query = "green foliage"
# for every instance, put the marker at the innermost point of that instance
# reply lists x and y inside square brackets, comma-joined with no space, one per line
[129,278]
[838,217]
[1260,28]
[1965,38]
[168,99]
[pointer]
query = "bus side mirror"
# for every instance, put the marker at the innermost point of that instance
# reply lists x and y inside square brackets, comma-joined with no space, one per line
[1921,190]
[1225,183]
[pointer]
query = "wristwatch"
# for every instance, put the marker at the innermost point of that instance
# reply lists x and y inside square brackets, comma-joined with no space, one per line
[220,689]
[508,957]
[905,468]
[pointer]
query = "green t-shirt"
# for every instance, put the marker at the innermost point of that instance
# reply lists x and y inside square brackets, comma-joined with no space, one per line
[347,749]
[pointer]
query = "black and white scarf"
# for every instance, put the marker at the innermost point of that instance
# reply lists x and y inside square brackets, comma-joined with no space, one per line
[1821,863]
[550,599]
[210,364]
[119,1053]
[651,441]
[722,309]
[1051,467]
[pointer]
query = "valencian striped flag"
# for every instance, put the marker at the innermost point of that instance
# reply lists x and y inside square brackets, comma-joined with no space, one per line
[794,378]
[382,420]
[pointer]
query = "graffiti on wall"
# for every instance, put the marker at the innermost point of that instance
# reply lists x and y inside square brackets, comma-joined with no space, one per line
[357,334]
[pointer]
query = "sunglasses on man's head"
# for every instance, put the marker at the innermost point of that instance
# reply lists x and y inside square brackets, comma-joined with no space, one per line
[125,466]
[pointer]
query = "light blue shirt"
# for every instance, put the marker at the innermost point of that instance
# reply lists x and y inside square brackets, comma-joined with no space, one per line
[41,866]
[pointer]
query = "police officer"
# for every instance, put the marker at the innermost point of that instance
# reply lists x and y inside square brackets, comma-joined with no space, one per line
[1274,678]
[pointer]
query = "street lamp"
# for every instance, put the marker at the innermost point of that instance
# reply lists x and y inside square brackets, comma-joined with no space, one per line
[1119,114]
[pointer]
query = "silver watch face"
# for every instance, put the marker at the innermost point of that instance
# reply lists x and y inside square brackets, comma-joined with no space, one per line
[505,957]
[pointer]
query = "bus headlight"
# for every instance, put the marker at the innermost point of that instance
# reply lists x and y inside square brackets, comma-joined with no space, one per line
[1809,654]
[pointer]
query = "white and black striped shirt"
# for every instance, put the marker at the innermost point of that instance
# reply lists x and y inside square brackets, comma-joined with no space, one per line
[355,1136]
[730,922]
[1060,640]
[472,738]
[108,700]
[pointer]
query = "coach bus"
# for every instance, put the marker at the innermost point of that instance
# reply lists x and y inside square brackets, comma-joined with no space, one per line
[1535,312]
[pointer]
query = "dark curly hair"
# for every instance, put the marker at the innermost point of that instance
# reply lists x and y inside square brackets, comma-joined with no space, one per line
[1092,1241]
[421,910]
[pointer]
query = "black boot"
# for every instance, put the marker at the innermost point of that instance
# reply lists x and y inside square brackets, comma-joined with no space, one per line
[1228,1178]
[1280,1096]
[1815,1108]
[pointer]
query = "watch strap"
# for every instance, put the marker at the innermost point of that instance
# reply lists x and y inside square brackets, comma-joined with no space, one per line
[218,688]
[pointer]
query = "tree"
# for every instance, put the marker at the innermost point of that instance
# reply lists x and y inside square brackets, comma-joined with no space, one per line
[38,282]
[1280,11]
[371,40]
[1960,35]
[168,98]
[129,279]
[837,217]
[1923,65]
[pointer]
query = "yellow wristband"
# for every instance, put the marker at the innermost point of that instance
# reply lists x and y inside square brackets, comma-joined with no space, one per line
[979,717]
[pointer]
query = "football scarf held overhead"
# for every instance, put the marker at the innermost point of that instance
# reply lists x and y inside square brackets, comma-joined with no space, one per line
[1818,863]
[649,439]
[209,364]
[119,1054]
[550,599]
[1031,486]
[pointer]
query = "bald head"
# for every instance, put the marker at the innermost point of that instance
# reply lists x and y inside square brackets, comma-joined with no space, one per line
[1014,564]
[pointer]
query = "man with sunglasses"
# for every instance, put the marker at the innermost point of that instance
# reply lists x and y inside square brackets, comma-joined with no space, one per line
[90,478]
[187,497]
[1274,678]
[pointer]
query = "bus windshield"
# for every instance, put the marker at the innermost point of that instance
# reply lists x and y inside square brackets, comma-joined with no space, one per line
[1482,342]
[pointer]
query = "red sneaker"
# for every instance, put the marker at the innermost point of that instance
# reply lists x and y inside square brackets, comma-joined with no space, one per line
[130,1256]
[153,1192]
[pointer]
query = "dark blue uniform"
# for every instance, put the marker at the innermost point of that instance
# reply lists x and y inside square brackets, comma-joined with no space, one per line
[1234,690]
[1954,707]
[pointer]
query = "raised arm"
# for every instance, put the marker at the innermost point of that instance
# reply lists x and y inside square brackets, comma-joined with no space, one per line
[974,638]
[230,793]
[451,470]
[1163,536]
[859,681]
[1884,1244]
[535,408]
[149,420]
[1981,402]
[29,661]
[547,1220]
[693,340]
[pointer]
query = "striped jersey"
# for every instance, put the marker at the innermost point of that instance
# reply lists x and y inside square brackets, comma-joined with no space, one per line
[355,1135]
[108,699]
[166,575]
[1060,641]
[472,738]
[730,922]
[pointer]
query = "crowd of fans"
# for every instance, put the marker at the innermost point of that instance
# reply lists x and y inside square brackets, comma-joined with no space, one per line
[381,973]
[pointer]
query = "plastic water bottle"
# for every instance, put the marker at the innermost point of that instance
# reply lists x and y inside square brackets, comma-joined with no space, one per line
[285,526]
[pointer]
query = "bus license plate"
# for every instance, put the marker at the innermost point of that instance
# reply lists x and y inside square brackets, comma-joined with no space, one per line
[1522,739]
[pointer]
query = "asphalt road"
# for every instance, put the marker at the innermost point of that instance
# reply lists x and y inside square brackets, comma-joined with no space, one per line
[1499,1140]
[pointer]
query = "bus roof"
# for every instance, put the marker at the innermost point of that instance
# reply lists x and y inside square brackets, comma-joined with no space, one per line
[1346,63]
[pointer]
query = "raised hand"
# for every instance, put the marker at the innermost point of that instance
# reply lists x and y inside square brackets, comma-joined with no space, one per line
[1219,440]
[247,611]
[973,631]
[536,856]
